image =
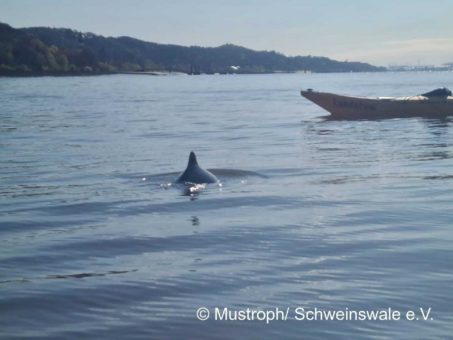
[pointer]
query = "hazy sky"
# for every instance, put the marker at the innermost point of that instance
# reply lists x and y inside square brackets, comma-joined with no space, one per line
[380,32]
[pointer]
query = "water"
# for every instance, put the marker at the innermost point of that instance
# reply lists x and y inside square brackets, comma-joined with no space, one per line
[343,214]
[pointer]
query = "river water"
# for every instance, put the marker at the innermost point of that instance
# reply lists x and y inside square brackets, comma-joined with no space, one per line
[333,215]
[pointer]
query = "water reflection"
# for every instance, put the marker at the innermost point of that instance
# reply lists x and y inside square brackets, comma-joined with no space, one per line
[439,129]
[195,220]
[193,190]
[439,117]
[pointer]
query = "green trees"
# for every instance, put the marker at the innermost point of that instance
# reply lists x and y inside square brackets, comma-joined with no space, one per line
[26,54]
[42,50]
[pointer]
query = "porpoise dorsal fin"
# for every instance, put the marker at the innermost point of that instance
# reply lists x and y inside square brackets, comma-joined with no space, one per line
[192,160]
[195,174]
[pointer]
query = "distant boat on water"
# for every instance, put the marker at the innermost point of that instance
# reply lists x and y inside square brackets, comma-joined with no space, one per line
[435,103]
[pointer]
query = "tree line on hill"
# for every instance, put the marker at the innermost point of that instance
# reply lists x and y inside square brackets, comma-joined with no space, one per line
[43,50]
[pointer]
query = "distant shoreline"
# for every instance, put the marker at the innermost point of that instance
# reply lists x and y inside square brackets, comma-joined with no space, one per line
[147,73]
[162,73]
[53,74]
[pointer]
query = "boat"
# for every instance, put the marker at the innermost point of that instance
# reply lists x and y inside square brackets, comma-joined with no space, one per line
[436,103]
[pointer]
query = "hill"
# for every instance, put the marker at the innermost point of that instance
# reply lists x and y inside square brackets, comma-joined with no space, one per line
[43,50]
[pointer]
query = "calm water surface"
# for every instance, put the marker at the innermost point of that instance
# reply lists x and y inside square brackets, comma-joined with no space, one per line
[345,214]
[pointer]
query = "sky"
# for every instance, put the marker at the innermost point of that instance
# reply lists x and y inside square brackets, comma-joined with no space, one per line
[384,32]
